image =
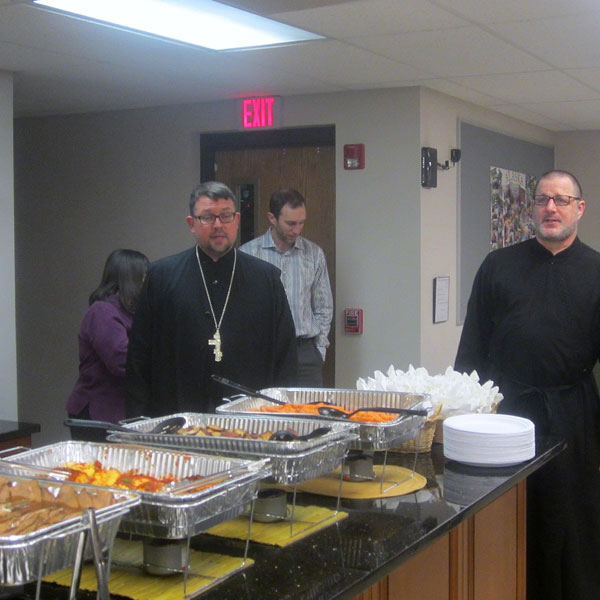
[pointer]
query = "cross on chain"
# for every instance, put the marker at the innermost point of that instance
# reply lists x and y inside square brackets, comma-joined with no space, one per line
[216,342]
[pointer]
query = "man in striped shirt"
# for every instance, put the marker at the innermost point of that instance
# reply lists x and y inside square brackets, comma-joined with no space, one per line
[305,279]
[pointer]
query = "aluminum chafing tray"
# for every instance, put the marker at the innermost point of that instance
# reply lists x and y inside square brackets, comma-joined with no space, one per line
[291,462]
[163,514]
[27,557]
[372,436]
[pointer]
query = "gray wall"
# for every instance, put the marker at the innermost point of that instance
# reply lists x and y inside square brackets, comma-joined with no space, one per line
[482,149]
[86,184]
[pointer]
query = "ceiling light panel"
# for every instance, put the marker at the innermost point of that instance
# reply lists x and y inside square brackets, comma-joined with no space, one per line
[198,22]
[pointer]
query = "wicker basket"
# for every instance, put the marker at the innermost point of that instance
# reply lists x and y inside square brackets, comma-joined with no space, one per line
[423,441]
[438,436]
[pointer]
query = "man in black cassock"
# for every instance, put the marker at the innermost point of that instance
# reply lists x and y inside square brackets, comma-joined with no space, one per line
[533,327]
[208,310]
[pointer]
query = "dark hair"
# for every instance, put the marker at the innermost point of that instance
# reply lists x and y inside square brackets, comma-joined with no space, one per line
[123,274]
[282,197]
[214,190]
[561,173]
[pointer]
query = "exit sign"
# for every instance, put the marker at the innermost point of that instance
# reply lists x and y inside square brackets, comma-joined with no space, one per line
[258,113]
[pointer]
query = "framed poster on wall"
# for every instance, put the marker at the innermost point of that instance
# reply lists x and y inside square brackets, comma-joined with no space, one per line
[511,209]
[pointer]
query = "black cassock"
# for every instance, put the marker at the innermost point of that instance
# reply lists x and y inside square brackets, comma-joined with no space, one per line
[170,361]
[533,327]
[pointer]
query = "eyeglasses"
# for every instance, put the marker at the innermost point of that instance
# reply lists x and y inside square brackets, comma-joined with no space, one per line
[559,199]
[209,218]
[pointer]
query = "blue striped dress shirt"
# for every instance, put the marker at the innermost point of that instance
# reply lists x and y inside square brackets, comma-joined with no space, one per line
[306,281]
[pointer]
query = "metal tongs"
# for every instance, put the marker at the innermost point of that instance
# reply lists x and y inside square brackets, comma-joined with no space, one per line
[187,485]
[55,473]
[242,388]
[100,560]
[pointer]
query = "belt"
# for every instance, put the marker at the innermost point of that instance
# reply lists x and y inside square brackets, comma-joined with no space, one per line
[305,340]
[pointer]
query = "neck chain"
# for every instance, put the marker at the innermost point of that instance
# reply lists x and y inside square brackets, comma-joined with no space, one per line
[216,339]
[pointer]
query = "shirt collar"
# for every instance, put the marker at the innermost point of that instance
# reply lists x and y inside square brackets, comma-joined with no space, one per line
[543,251]
[269,242]
[225,260]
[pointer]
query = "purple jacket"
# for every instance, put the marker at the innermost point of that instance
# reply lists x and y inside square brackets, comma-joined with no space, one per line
[103,341]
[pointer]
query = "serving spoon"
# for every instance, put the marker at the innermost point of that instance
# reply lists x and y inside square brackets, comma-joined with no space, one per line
[330,411]
[242,388]
[285,435]
[170,425]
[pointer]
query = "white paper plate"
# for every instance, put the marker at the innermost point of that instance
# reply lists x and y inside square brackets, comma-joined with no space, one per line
[489,424]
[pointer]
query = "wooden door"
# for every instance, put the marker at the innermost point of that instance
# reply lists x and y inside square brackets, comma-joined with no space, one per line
[310,170]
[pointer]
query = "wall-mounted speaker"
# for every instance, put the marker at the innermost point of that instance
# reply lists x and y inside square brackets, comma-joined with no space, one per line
[429,167]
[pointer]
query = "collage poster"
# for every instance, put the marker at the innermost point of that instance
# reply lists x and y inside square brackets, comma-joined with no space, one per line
[511,207]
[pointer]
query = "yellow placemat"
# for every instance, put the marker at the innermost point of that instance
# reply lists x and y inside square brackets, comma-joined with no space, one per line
[329,484]
[307,520]
[131,582]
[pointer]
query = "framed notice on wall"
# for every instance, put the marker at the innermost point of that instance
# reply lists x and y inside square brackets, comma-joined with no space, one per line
[441,299]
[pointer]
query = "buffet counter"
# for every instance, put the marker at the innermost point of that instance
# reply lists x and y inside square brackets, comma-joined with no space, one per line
[16,433]
[462,536]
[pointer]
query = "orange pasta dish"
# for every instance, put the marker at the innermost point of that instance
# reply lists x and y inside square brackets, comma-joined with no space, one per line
[95,474]
[365,416]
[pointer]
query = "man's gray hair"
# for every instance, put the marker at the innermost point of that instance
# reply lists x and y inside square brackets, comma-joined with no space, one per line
[214,190]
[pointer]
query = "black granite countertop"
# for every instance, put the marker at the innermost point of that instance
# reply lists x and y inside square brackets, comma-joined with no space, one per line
[347,558]
[10,430]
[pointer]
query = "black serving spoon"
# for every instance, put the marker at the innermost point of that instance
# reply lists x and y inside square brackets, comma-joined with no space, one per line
[170,425]
[285,435]
[243,388]
[330,411]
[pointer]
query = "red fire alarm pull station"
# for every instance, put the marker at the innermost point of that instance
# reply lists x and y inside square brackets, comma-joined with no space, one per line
[353,320]
[354,156]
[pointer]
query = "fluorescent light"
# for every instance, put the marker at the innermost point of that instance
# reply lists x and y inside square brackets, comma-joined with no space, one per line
[199,22]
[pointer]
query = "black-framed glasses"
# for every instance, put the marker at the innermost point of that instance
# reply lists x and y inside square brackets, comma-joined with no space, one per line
[209,218]
[559,199]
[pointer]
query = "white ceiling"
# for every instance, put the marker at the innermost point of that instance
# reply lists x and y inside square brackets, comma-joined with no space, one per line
[536,60]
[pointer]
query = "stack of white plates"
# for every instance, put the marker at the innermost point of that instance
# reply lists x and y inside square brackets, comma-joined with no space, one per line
[489,440]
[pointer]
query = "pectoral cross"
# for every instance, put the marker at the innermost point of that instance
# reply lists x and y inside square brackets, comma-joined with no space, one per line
[216,342]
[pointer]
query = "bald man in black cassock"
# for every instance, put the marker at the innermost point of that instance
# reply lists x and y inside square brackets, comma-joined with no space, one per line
[533,327]
[209,309]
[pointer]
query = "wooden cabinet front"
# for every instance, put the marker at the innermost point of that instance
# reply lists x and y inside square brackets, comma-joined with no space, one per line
[483,558]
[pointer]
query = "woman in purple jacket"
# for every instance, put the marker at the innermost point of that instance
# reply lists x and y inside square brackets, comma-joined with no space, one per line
[99,392]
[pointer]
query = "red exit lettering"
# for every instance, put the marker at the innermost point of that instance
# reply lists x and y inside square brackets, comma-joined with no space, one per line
[257,112]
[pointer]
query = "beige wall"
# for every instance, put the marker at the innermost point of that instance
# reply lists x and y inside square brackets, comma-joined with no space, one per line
[440,117]
[8,353]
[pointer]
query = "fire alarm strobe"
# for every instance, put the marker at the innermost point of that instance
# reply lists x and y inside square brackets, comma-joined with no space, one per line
[354,156]
[353,320]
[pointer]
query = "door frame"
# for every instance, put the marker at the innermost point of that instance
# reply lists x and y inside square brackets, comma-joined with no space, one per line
[210,143]
[237,140]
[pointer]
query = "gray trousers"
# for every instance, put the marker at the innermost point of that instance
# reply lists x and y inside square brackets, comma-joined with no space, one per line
[310,364]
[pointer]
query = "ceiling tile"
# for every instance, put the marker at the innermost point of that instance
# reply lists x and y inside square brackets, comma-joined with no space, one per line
[453,52]
[530,87]
[368,16]
[583,114]
[452,88]
[333,61]
[566,42]
[589,77]
[522,113]
[495,11]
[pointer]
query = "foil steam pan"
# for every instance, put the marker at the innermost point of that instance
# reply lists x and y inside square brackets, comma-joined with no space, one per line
[162,514]
[27,557]
[372,436]
[291,462]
